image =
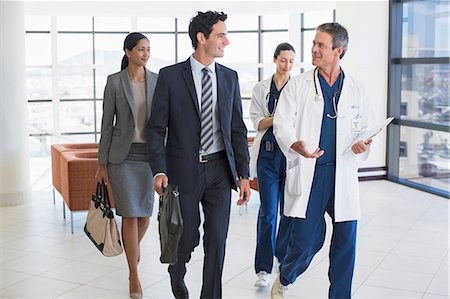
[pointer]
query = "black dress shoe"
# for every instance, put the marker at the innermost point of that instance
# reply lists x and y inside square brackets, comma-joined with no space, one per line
[180,291]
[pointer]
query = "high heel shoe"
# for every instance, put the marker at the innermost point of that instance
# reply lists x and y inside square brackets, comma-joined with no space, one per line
[137,295]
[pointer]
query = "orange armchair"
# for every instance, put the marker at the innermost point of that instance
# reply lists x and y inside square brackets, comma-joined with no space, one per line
[56,150]
[65,169]
[254,182]
[78,181]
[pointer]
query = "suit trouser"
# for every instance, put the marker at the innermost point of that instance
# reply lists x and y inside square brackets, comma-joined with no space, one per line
[213,191]
[271,177]
[308,235]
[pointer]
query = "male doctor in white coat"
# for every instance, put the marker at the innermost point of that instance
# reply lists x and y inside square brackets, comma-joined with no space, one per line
[319,115]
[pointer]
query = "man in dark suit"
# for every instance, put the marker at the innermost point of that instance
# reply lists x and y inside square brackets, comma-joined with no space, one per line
[197,103]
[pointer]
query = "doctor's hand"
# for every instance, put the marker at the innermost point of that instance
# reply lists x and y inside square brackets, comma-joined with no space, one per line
[244,192]
[265,123]
[160,182]
[361,146]
[300,147]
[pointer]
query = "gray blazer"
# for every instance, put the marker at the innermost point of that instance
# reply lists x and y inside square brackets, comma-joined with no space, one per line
[119,116]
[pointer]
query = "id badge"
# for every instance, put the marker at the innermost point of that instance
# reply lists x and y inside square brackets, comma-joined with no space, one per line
[356,125]
[269,146]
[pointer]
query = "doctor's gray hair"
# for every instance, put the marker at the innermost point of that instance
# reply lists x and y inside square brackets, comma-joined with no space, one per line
[338,33]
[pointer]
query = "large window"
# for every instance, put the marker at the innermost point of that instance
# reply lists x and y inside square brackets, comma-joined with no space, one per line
[419,72]
[69,58]
[309,21]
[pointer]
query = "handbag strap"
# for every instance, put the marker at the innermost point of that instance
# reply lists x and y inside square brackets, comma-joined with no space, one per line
[97,197]
[99,190]
[105,195]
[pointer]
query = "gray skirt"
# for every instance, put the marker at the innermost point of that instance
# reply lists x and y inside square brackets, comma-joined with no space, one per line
[132,183]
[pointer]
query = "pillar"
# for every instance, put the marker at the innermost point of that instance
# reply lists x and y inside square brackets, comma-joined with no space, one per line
[15,184]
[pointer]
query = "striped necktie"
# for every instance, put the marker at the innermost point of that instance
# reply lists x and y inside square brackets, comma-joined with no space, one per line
[206,135]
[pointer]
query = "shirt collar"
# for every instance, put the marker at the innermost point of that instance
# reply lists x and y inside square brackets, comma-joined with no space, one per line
[197,67]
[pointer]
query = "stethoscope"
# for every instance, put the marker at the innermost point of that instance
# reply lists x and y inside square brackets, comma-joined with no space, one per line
[276,96]
[318,97]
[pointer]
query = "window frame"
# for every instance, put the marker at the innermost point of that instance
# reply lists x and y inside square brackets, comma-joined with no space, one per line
[395,63]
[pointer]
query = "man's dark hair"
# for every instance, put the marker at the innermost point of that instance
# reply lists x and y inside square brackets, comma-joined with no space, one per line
[203,22]
[338,33]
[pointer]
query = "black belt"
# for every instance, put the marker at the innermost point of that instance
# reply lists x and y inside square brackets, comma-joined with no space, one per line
[212,157]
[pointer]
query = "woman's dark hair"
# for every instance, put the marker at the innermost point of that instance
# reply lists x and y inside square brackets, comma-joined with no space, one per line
[203,22]
[283,47]
[129,43]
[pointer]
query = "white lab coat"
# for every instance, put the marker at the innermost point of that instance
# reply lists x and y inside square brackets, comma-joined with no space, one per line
[258,111]
[299,117]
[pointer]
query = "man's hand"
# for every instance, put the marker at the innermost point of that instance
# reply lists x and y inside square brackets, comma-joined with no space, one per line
[361,146]
[300,147]
[161,181]
[244,192]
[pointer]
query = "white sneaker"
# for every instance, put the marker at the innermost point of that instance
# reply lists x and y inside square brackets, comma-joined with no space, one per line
[263,279]
[278,291]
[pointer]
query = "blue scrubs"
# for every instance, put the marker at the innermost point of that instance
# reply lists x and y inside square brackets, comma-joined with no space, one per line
[271,167]
[308,235]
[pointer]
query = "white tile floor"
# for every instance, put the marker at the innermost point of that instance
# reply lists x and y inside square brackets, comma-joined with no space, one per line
[402,252]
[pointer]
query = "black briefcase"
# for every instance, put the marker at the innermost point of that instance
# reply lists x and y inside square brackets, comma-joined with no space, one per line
[170,224]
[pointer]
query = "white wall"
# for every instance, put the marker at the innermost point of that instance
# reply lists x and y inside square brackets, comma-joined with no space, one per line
[367,23]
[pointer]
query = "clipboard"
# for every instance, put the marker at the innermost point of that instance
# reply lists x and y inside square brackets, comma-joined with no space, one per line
[369,134]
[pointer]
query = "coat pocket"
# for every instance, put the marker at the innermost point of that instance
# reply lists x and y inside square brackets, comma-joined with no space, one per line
[352,184]
[293,181]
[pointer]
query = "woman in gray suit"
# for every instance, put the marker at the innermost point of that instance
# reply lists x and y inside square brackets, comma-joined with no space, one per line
[122,155]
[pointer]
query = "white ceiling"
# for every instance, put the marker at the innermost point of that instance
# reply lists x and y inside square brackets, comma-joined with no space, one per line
[168,8]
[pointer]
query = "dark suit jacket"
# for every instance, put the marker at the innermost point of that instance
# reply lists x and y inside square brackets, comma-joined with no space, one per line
[119,116]
[175,108]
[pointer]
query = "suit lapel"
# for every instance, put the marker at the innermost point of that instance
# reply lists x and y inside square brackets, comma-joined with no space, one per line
[220,92]
[187,74]
[124,79]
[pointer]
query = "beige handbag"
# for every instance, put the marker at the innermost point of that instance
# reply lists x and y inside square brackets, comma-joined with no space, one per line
[101,226]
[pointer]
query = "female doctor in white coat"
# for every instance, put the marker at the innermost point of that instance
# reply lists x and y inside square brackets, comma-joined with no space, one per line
[268,163]
[318,116]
